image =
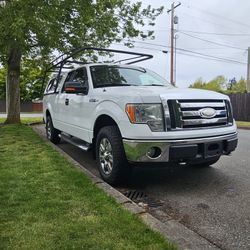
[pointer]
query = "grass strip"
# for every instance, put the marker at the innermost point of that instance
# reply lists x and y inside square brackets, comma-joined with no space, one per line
[26,120]
[242,124]
[46,203]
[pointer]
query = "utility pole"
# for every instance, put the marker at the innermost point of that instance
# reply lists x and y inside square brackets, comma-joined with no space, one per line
[175,45]
[173,7]
[248,71]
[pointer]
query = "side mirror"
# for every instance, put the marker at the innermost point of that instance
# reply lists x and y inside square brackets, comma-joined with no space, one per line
[75,88]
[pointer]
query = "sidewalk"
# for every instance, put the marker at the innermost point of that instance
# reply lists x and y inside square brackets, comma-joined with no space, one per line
[4,115]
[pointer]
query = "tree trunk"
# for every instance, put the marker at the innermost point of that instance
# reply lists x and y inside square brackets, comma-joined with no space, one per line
[13,86]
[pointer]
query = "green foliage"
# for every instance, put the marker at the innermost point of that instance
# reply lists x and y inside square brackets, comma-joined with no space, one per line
[2,83]
[39,27]
[30,80]
[220,84]
[239,87]
[32,28]
[198,84]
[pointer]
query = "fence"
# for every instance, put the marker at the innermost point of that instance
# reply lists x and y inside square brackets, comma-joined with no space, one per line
[241,106]
[25,106]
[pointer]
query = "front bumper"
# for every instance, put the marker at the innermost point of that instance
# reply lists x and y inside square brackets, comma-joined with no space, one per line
[179,150]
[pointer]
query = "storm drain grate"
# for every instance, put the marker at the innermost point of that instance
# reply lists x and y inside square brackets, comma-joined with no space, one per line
[135,195]
[140,197]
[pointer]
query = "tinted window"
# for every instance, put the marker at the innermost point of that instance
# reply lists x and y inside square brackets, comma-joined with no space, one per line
[80,76]
[68,79]
[69,76]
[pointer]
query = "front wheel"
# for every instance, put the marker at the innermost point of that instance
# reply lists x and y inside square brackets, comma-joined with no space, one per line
[51,132]
[112,162]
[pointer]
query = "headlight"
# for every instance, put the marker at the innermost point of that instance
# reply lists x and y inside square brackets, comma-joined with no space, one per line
[151,114]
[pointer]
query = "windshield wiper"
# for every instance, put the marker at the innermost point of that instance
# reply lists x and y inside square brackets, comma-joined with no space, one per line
[154,84]
[112,85]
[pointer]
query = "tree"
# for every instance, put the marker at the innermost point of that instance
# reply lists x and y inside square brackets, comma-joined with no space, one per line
[217,84]
[220,84]
[30,28]
[198,84]
[239,87]
[30,80]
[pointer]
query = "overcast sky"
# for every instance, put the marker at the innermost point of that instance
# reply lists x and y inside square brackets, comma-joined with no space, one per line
[196,17]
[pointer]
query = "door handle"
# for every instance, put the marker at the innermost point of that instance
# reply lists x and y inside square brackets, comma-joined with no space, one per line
[66,101]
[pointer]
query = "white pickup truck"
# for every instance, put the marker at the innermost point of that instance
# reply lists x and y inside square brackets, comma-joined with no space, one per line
[129,114]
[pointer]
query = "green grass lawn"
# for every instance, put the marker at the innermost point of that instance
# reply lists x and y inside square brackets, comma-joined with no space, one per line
[46,203]
[26,120]
[243,124]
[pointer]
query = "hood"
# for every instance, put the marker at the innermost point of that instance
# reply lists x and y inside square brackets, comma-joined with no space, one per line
[154,94]
[190,94]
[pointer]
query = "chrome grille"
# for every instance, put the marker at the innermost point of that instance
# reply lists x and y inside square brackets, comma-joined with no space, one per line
[188,114]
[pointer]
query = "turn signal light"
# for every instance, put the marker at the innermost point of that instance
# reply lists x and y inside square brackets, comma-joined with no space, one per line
[130,110]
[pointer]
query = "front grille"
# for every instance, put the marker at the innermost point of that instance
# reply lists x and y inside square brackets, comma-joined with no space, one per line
[192,114]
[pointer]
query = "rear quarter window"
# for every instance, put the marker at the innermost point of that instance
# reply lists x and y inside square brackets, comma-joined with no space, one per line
[51,87]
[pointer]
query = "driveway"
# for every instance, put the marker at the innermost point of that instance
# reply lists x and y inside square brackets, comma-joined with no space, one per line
[214,202]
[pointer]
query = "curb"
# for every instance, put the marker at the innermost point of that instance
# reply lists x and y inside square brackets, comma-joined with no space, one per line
[172,230]
[34,123]
[245,128]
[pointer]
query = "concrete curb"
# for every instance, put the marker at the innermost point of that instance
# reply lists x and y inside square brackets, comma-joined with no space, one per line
[245,128]
[172,230]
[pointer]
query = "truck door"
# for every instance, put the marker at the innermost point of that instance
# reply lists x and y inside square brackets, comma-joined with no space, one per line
[78,109]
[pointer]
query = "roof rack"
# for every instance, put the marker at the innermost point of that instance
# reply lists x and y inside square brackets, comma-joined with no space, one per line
[60,62]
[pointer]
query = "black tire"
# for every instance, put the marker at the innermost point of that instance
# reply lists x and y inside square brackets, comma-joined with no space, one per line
[117,170]
[205,164]
[51,132]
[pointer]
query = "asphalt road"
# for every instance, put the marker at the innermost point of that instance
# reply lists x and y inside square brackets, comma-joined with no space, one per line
[214,202]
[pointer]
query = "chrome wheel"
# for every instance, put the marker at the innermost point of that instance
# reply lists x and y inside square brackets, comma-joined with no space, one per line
[106,156]
[48,128]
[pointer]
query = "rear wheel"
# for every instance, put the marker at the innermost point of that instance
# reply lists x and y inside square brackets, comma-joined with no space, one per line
[112,162]
[51,132]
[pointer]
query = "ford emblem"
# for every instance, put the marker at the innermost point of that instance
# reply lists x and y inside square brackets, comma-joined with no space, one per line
[207,112]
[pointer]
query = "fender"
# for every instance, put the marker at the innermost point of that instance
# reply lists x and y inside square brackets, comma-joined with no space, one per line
[111,109]
[48,107]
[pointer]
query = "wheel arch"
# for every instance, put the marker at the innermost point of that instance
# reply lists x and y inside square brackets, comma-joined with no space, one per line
[47,113]
[102,121]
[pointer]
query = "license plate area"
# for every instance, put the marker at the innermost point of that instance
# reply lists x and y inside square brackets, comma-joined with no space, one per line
[213,149]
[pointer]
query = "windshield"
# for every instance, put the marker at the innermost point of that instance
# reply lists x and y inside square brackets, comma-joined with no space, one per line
[105,75]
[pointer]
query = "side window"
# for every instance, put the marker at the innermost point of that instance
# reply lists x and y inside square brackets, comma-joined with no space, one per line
[81,76]
[68,79]
[69,76]
[51,86]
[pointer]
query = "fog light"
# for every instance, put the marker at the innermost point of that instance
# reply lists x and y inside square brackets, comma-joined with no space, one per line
[154,152]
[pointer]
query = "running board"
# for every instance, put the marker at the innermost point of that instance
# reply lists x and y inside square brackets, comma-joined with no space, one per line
[75,141]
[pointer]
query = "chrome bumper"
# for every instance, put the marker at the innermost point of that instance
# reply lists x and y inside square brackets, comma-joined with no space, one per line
[137,150]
